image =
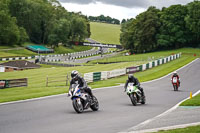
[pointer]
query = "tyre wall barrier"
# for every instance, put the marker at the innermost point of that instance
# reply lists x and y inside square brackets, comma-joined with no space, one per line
[88,77]
[17,58]
[158,62]
[47,60]
[104,75]
[95,76]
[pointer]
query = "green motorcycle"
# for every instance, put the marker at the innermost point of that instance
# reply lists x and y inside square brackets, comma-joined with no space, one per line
[135,94]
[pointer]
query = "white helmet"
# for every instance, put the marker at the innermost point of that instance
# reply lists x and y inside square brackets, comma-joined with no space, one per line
[174,72]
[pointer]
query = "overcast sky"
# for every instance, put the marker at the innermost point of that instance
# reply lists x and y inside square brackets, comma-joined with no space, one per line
[116,8]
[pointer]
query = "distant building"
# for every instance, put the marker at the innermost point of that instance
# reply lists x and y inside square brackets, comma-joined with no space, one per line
[17,66]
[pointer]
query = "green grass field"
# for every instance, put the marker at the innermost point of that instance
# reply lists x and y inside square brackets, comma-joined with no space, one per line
[37,77]
[191,129]
[105,33]
[194,101]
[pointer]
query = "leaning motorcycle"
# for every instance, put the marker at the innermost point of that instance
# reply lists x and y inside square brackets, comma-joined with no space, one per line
[82,100]
[135,94]
[175,83]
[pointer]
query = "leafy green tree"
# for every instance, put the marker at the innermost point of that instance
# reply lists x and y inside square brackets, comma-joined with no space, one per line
[41,21]
[105,19]
[79,29]
[193,22]
[61,33]
[139,34]
[148,24]
[127,35]
[23,35]
[123,21]
[9,31]
[173,32]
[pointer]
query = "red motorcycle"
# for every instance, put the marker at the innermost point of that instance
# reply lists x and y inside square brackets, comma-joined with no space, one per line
[175,83]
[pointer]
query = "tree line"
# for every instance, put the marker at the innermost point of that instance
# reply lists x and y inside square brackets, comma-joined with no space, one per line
[173,27]
[104,19]
[41,22]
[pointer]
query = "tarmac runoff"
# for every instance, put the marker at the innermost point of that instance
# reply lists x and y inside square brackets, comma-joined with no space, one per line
[174,118]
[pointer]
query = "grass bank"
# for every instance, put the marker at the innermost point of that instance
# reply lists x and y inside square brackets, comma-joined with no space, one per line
[194,101]
[105,33]
[148,56]
[192,129]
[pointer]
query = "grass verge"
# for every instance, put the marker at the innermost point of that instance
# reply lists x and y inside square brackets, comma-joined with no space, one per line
[192,129]
[194,101]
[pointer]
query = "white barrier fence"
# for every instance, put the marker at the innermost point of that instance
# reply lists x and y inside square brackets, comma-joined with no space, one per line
[116,73]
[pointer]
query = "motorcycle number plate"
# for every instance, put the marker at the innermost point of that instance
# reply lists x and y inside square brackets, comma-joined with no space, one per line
[174,80]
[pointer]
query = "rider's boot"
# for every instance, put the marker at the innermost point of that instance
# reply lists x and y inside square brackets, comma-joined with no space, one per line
[142,92]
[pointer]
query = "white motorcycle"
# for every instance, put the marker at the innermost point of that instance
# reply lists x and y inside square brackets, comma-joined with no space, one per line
[82,100]
[135,94]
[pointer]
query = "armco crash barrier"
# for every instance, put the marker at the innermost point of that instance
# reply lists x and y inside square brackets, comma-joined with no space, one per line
[90,77]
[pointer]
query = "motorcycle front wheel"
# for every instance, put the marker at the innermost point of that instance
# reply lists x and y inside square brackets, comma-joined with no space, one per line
[78,106]
[175,88]
[133,98]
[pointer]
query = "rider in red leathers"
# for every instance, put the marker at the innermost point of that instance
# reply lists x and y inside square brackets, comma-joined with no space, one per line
[175,75]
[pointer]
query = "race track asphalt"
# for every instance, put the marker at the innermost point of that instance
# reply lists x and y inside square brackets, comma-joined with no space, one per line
[116,114]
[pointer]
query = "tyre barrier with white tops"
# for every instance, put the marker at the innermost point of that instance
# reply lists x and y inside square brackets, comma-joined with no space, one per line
[104,75]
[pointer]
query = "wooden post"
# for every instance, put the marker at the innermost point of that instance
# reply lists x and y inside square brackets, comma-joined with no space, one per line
[26,82]
[47,81]
[66,80]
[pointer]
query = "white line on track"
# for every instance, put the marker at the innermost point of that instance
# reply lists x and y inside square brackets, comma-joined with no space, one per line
[40,98]
[166,128]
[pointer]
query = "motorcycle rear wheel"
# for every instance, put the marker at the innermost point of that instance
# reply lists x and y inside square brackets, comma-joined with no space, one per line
[175,87]
[143,100]
[95,106]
